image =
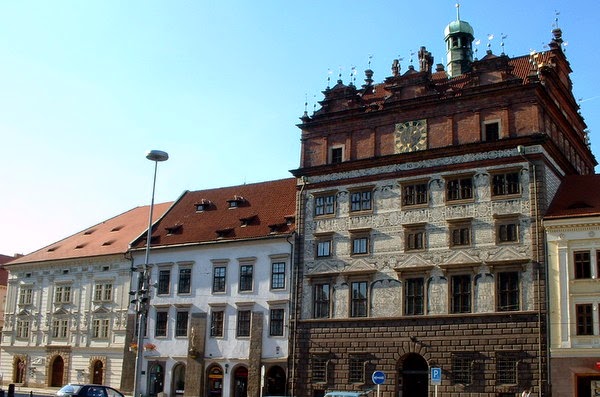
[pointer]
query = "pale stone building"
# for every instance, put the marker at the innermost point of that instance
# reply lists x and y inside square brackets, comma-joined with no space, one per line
[221,263]
[572,227]
[67,307]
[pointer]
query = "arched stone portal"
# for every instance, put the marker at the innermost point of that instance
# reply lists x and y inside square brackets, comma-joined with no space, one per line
[412,376]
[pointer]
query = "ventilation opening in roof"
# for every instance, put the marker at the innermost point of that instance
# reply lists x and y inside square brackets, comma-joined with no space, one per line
[109,242]
[52,249]
[579,205]
[116,228]
[79,246]
[89,231]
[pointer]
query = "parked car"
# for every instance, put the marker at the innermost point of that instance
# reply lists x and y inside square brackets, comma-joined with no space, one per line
[75,390]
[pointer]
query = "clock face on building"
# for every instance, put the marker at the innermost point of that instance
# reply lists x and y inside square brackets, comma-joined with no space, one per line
[411,136]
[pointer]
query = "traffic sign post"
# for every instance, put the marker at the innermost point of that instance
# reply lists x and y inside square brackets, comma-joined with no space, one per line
[436,378]
[378,378]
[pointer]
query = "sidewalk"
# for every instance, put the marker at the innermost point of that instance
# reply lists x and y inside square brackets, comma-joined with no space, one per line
[32,391]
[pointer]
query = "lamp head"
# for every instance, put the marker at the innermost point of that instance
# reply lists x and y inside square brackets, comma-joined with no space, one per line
[157,155]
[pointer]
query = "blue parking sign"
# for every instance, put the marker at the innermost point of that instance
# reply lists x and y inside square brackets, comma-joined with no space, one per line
[436,376]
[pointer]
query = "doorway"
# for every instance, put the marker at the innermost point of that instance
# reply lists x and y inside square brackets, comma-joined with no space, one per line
[98,369]
[156,379]
[275,382]
[215,381]
[413,372]
[240,382]
[58,370]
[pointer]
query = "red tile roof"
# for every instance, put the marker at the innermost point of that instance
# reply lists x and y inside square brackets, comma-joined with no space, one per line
[578,195]
[3,273]
[110,237]
[263,209]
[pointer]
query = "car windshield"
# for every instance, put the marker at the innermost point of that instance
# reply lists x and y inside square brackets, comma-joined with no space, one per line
[70,389]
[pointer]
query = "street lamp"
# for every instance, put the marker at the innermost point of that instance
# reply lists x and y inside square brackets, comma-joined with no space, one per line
[142,293]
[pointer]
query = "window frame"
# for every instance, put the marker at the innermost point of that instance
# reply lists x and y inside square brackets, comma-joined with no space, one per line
[462,369]
[185,279]
[243,323]
[414,297]
[217,323]
[319,365]
[321,299]
[458,190]
[461,300]
[324,241]
[278,276]
[276,321]
[582,267]
[485,132]
[504,188]
[324,204]
[62,294]
[460,229]
[100,328]
[508,296]
[180,330]
[415,237]
[219,282]
[356,369]
[60,328]
[584,319]
[164,282]
[161,325]
[246,278]
[412,196]
[103,291]
[506,369]
[25,295]
[504,236]
[359,202]
[23,328]
[335,154]
[359,305]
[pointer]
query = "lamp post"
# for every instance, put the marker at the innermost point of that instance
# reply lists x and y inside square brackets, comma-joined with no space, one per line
[142,301]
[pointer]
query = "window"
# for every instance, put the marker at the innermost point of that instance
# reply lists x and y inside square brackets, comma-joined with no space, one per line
[321,302]
[23,329]
[461,294]
[26,296]
[356,370]
[100,327]
[461,369]
[336,155]
[585,322]
[506,184]
[459,189]
[181,323]
[276,321]
[508,291]
[414,238]
[360,245]
[324,246]
[216,323]
[246,277]
[103,292]
[164,281]
[507,231]
[506,369]
[358,299]
[319,369]
[219,274]
[415,194]
[59,328]
[243,323]
[491,131]
[325,205]
[414,296]
[583,264]
[184,286]
[278,275]
[460,235]
[360,201]
[160,328]
[62,294]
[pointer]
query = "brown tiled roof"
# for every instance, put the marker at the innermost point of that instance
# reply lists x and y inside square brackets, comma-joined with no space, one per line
[262,209]
[578,195]
[3,273]
[110,237]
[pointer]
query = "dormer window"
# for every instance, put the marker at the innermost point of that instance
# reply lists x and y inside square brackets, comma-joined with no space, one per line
[249,220]
[236,201]
[203,205]
[222,233]
[276,227]
[175,229]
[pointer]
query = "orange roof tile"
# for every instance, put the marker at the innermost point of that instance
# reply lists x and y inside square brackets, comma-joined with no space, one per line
[578,195]
[110,237]
[261,210]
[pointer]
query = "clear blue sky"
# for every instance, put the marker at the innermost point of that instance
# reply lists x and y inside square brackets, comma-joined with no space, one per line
[86,87]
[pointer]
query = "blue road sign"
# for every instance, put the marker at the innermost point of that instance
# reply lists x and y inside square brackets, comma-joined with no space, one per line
[378,377]
[436,376]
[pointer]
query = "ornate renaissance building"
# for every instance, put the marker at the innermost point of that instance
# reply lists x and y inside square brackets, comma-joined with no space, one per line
[67,305]
[420,223]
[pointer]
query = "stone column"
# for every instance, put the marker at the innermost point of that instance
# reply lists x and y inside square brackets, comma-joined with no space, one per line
[255,355]
[194,372]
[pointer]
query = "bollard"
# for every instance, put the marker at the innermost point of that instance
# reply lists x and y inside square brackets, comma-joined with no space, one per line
[11,390]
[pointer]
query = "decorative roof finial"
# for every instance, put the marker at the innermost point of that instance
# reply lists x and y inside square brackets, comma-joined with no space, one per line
[502,37]
[328,78]
[369,63]
[457,11]
[556,14]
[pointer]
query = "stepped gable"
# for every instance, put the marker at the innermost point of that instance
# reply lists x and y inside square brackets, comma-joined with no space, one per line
[110,237]
[249,211]
[578,195]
